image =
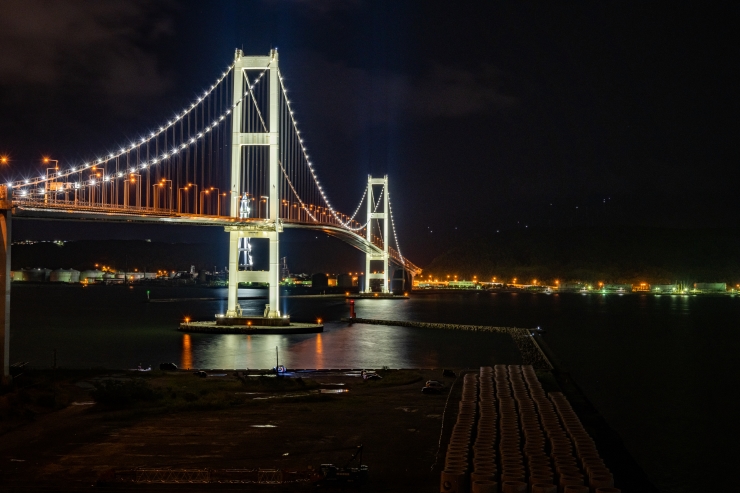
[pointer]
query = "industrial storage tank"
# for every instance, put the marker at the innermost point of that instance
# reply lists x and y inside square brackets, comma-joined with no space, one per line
[91,275]
[64,275]
[344,280]
[35,275]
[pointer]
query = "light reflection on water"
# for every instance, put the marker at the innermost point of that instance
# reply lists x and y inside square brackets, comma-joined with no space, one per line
[187,352]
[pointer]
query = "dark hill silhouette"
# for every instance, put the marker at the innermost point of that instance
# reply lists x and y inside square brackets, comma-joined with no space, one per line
[621,254]
[119,254]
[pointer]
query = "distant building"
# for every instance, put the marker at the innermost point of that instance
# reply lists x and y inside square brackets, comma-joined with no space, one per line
[320,281]
[711,287]
[618,288]
[345,281]
[663,288]
[463,285]
[572,286]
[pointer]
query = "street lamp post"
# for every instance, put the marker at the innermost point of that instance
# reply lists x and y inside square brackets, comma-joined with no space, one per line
[49,186]
[162,185]
[179,201]
[267,206]
[195,197]
[217,190]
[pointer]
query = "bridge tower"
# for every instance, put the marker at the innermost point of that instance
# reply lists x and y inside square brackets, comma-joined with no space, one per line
[270,228]
[5,216]
[384,216]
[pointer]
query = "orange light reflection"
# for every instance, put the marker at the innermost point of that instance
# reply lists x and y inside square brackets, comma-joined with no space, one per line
[319,352]
[187,353]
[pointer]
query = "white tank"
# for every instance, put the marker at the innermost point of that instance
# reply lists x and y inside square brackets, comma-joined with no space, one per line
[65,275]
[91,275]
[35,275]
[60,275]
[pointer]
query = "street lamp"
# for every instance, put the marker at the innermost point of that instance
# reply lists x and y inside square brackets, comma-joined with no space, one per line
[267,205]
[195,196]
[217,190]
[49,186]
[179,202]
[162,184]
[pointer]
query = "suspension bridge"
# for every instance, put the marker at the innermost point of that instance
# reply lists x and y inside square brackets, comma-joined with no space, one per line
[234,158]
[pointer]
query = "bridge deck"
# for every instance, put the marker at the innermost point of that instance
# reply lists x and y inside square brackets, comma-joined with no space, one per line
[133,215]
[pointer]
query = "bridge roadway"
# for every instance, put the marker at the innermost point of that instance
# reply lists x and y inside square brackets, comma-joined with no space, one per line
[144,215]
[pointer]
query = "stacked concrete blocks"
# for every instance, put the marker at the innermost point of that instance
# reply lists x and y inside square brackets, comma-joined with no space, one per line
[523,439]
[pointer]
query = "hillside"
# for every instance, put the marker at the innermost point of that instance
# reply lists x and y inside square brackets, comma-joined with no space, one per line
[119,254]
[593,254]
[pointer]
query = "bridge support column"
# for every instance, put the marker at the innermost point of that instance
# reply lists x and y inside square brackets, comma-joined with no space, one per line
[384,216]
[5,216]
[233,308]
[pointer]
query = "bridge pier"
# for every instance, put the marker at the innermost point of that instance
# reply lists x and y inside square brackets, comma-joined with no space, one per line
[5,215]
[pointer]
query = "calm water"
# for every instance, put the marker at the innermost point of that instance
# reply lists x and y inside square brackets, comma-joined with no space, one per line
[661,370]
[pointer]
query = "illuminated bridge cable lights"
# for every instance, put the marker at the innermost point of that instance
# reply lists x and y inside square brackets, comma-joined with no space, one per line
[305,153]
[393,226]
[156,160]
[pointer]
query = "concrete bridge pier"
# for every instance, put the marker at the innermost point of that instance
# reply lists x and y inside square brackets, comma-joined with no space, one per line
[5,215]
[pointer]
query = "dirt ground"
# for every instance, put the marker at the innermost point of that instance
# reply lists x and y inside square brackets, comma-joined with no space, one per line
[65,443]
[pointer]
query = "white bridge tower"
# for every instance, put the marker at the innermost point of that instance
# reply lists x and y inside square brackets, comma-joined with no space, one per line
[384,216]
[270,228]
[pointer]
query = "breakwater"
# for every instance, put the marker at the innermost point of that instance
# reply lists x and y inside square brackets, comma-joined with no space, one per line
[213,328]
[531,352]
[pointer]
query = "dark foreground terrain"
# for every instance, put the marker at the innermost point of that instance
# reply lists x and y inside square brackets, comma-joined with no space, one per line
[92,430]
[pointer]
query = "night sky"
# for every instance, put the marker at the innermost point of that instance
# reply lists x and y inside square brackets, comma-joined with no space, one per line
[486,115]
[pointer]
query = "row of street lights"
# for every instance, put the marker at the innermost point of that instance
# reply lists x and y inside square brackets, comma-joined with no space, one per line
[290,210]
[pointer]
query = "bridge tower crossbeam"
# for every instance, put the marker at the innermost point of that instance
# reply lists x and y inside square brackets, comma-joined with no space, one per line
[270,229]
[383,216]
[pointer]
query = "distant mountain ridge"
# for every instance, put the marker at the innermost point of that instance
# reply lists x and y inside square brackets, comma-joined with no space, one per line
[624,254]
[118,254]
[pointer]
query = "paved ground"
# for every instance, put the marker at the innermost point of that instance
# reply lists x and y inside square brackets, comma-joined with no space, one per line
[72,447]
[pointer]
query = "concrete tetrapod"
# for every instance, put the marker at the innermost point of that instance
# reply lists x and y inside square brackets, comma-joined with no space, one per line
[544,488]
[601,481]
[514,487]
[482,476]
[483,486]
[575,488]
[452,481]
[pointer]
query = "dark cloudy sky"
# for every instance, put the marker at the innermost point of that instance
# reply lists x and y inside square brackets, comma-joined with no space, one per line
[486,115]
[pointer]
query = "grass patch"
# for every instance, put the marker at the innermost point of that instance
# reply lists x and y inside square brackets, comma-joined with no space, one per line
[396,377]
[118,394]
